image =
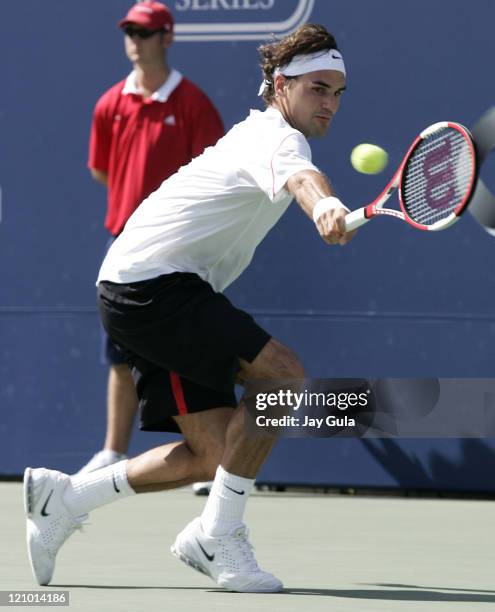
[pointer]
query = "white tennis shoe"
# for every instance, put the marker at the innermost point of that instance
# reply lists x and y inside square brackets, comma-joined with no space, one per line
[100,460]
[228,559]
[49,523]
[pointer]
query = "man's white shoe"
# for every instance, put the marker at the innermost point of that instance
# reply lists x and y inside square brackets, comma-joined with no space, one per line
[100,460]
[49,523]
[228,559]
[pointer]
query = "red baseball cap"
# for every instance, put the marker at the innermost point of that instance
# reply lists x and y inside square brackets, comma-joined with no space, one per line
[149,15]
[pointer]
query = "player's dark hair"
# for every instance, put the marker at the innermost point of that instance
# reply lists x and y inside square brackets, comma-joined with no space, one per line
[309,38]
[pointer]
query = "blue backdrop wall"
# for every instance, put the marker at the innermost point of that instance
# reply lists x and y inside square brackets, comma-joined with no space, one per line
[426,308]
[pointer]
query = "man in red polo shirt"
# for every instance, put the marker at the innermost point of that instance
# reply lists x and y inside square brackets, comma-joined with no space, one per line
[144,129]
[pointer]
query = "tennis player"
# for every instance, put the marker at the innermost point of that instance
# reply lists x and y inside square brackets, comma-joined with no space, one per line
[160,298]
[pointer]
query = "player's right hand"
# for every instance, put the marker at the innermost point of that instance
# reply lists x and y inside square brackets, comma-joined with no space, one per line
[331,227]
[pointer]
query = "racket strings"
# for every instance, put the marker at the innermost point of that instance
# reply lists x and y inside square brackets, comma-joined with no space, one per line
[437,177]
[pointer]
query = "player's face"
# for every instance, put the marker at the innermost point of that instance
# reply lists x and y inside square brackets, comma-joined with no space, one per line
[309,102]
[146,50]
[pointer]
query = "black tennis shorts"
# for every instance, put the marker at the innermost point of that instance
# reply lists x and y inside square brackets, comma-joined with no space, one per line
[182,341]
[110,353]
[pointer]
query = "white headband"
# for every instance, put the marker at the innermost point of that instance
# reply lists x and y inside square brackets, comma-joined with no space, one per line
[331,59]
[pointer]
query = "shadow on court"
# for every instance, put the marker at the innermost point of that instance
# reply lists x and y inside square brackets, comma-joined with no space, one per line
[418,594]
[128,586]
[394,592]
[415,586]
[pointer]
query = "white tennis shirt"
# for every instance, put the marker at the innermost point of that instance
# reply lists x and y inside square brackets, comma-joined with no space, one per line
[210,216]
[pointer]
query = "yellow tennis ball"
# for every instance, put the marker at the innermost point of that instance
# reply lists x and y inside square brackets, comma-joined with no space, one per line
[368,158]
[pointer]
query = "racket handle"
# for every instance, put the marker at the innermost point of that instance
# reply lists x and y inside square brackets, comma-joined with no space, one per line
[355,219]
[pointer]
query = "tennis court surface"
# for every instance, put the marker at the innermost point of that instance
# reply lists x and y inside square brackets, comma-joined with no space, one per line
[332,553]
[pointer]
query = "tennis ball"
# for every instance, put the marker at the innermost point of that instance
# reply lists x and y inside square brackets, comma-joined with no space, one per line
[368,158]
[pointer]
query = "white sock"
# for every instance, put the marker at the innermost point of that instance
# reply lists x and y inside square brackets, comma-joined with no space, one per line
[226,503]
[94,489]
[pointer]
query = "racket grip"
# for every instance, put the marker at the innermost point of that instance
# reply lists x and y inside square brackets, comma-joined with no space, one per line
[355,219]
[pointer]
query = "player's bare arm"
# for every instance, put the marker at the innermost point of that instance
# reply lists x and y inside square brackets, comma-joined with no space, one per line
[99,176]
[310,187]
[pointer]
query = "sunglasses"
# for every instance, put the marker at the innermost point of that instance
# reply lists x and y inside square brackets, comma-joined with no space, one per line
[140,32]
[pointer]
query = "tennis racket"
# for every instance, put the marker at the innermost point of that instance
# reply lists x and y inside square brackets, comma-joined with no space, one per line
[436,180]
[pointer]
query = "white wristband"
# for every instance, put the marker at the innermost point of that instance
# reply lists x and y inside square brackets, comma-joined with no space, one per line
[330,203]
